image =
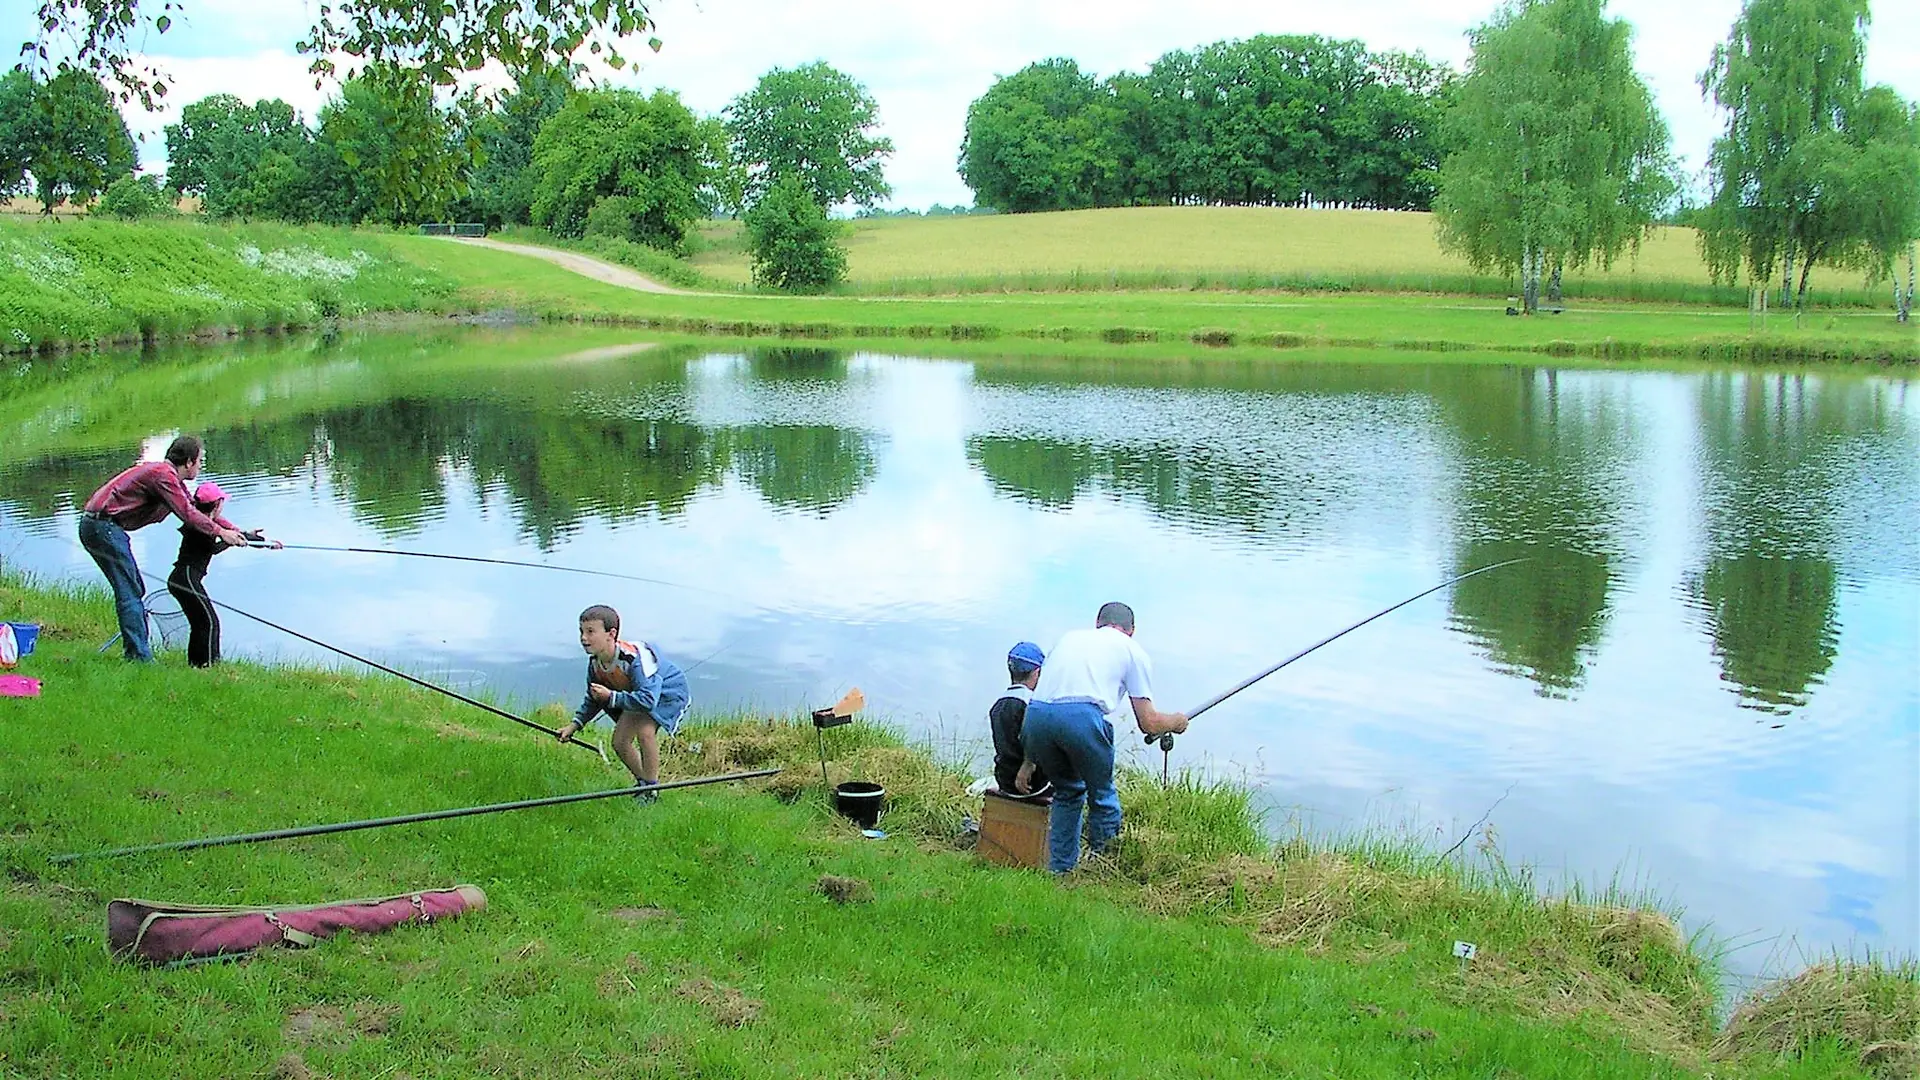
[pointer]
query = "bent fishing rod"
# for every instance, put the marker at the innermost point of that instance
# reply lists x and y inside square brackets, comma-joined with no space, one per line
[402,819]
[396,672]
[1165,739]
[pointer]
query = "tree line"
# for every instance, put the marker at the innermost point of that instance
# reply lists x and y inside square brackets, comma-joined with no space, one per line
[1271,120]
[577,159]
[1546,153]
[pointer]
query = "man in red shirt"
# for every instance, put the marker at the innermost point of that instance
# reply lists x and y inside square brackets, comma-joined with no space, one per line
[137,498]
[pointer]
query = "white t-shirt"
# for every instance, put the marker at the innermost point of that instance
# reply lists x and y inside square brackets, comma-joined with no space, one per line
[1102,666]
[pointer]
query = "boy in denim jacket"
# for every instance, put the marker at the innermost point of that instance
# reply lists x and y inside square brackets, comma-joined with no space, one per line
[640,691]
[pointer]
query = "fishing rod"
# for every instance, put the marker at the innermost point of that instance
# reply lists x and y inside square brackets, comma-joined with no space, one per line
[1165,739]
[403,819]
[396,672]
[493,562]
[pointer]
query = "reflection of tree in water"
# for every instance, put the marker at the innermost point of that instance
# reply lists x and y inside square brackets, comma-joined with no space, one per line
[1184,482]
[393,462]
[1772,449]
[810,467]
[43,487]
[1539,479]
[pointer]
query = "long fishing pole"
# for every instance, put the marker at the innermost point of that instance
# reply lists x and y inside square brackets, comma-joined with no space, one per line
[494,562]
[396,672]
[1166,739]
[403,819]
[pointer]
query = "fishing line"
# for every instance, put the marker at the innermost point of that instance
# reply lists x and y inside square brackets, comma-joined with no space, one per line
[496,562]
[1166,740]
[396,672]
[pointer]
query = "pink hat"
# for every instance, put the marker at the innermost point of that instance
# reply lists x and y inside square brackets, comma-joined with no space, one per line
[208,493]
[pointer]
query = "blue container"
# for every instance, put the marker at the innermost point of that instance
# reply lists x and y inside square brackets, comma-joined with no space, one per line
[24,635]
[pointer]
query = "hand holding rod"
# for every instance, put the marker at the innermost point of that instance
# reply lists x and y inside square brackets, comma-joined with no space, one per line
[1166,739]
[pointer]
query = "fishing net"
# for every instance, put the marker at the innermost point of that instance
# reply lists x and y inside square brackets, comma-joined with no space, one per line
[167,625]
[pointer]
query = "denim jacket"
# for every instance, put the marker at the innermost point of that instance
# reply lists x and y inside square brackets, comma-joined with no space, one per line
[659,687]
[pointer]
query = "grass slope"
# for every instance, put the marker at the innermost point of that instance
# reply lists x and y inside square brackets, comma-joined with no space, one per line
[96,281]
[1254,324]
[1234,248]
[694,937]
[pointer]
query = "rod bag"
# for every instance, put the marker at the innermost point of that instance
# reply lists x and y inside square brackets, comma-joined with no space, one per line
[152,932]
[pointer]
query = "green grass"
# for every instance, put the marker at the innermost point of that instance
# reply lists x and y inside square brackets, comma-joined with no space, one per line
[1246,325]
[92,282]
[692,937]
[95,281]
[1233,248]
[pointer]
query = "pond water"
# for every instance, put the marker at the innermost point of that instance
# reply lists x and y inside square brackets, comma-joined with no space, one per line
[1704,680]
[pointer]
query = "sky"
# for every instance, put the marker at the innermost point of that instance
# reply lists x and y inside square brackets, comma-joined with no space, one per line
[924,64]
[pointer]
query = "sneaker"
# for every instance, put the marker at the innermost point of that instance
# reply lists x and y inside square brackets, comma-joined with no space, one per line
[643,792]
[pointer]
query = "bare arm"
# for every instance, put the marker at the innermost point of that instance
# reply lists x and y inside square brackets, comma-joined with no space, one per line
[1154,722]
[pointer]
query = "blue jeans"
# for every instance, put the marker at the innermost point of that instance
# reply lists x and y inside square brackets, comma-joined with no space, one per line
[1073,744]
[108,545]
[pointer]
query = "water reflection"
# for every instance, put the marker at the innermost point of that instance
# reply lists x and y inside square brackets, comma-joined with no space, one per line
[1775,455]
[1539,478]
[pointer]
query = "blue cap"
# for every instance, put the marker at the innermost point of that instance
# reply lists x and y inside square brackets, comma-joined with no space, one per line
[1025,657]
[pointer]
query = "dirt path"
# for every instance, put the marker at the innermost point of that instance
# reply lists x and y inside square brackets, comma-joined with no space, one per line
[584,265]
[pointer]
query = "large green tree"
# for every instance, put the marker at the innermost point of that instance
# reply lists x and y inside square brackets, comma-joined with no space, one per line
[790,240]
[227,152]
[1043,138]
[813,122]
[501,191]
[1813,167]
[1556,154]
[62,139]
[398,154]
[439,39]
[606,143]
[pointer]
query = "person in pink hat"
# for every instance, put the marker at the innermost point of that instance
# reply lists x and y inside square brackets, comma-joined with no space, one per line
[187,583]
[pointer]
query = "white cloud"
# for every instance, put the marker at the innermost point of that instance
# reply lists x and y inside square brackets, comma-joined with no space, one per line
[925,64]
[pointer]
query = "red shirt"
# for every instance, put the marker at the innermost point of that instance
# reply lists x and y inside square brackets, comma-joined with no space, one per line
[146,493]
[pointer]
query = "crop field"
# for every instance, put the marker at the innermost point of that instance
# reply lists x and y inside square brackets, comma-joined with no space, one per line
[1229,248]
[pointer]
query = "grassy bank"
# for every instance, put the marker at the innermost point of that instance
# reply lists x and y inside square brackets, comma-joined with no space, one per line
[1233,248]
[694,937]
[93,282]
[99,282]
[1253,324]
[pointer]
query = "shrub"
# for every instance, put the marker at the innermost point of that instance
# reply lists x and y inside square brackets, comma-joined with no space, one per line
[617,216]
[792,243]
[132,197]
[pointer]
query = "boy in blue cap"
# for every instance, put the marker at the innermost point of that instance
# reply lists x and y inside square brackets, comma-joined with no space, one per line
[1007,716]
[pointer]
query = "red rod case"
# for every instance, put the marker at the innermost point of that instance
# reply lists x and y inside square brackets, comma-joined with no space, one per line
[161,933]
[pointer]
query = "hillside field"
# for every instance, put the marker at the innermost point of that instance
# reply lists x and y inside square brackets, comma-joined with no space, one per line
[1227,247]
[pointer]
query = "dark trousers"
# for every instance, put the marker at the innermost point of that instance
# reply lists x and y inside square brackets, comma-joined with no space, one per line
[108,545]
[188,585]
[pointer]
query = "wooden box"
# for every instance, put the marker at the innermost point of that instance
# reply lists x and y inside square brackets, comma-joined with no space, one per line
[1013,832]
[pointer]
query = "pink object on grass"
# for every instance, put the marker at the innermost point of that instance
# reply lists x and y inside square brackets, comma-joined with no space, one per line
[159,933]
[19,686]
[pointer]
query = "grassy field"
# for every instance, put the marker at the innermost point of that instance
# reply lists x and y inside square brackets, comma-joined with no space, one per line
[697,936]
[1198,322]
[1230,248]
[94,281]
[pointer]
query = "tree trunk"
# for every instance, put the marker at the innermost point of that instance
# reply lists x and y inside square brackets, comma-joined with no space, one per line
[1786,280]
[1553,285]
[1806,267]
[1530,281]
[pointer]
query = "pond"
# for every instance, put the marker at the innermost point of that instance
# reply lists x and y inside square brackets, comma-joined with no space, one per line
[1703,681]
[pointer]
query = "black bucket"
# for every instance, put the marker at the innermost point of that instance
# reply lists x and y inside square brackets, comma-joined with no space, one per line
[859,800]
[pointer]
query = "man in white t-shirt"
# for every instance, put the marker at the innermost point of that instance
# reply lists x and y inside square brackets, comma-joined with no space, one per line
[1089,676]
